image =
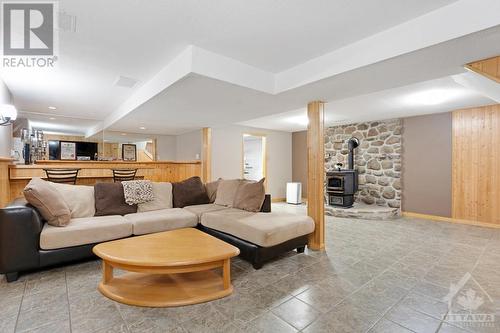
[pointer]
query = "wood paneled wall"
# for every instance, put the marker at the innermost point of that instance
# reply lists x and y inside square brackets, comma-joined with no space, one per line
[487,67]
[476,164]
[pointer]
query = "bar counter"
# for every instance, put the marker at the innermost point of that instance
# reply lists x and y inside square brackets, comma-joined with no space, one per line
[92,172]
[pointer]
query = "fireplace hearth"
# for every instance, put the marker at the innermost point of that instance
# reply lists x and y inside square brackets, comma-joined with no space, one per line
[342,184]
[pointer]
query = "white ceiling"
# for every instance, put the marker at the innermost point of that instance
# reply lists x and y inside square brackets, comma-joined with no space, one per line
[247,59]
[393,103]
[197,101]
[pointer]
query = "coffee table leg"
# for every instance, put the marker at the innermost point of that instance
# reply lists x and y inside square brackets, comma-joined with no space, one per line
[107,272]
[226,273]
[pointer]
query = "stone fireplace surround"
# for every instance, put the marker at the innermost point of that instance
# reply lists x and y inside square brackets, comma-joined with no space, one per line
[377,159]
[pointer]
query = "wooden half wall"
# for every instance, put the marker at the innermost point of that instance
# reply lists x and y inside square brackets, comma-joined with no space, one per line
[476,164]
[13,178]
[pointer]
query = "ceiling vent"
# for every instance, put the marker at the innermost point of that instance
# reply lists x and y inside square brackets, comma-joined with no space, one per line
[126,82]
[67,22]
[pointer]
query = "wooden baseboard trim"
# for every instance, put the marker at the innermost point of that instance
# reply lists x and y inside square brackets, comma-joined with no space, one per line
[449,220]
[278,199]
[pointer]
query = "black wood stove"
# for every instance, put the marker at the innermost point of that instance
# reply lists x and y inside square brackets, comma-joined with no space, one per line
[342,184]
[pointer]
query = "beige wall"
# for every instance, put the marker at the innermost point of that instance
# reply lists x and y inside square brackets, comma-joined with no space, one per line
[5,131]
[188,146]
[227,145]
[427,153]
[166,147]
[299,160]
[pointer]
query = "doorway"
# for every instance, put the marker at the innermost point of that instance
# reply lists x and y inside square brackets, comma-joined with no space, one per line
[254,157]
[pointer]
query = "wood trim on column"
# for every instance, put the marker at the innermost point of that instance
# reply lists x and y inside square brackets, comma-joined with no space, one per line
[206,155]
[4,181]
[316,173]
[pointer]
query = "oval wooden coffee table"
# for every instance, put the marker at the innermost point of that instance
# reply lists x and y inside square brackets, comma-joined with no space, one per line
[169,268]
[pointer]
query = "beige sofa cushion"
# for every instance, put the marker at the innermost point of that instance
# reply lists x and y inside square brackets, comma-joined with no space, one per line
[212,189]
[49,202]
[79,198]
[163,198]
[161,220]
[264,229]
[87,230]
[198,210]
[226,191]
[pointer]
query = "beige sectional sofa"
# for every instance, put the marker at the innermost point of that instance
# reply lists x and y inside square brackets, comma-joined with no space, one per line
[259,235]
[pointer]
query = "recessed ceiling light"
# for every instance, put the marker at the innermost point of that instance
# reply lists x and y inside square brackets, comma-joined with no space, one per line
[52,118]
[432,96]
[124,133]
[142,128]
[52,108]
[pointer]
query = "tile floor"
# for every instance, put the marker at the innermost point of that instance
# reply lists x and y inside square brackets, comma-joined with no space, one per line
[375,276]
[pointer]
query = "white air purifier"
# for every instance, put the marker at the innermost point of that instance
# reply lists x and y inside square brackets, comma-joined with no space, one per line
[294,193]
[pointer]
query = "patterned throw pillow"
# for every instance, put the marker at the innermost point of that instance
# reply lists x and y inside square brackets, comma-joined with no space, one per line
[138,191]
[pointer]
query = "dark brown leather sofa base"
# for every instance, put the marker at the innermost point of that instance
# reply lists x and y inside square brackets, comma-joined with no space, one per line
[255,254]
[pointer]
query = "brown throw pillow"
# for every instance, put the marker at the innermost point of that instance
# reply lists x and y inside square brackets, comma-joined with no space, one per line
[250,196]
[110,200]
[212,189]
[49,202]
[189,192]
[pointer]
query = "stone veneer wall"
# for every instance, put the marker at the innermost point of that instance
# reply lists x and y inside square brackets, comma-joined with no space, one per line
[377,159]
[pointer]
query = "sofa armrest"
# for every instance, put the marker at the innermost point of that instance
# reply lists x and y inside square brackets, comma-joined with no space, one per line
[266,205]
[20,227]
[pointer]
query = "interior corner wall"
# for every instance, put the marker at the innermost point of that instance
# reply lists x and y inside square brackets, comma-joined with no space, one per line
[299,159]
[227,145]
[427,164]
[188,146]
[5,131]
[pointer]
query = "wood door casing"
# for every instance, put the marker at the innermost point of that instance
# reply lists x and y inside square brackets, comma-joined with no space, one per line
[476,164]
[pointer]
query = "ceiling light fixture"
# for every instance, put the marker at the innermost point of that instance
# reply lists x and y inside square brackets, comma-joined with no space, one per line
[52,108]
[52,118]
[8,114]
[124,134]
[431,97]
[142,128]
